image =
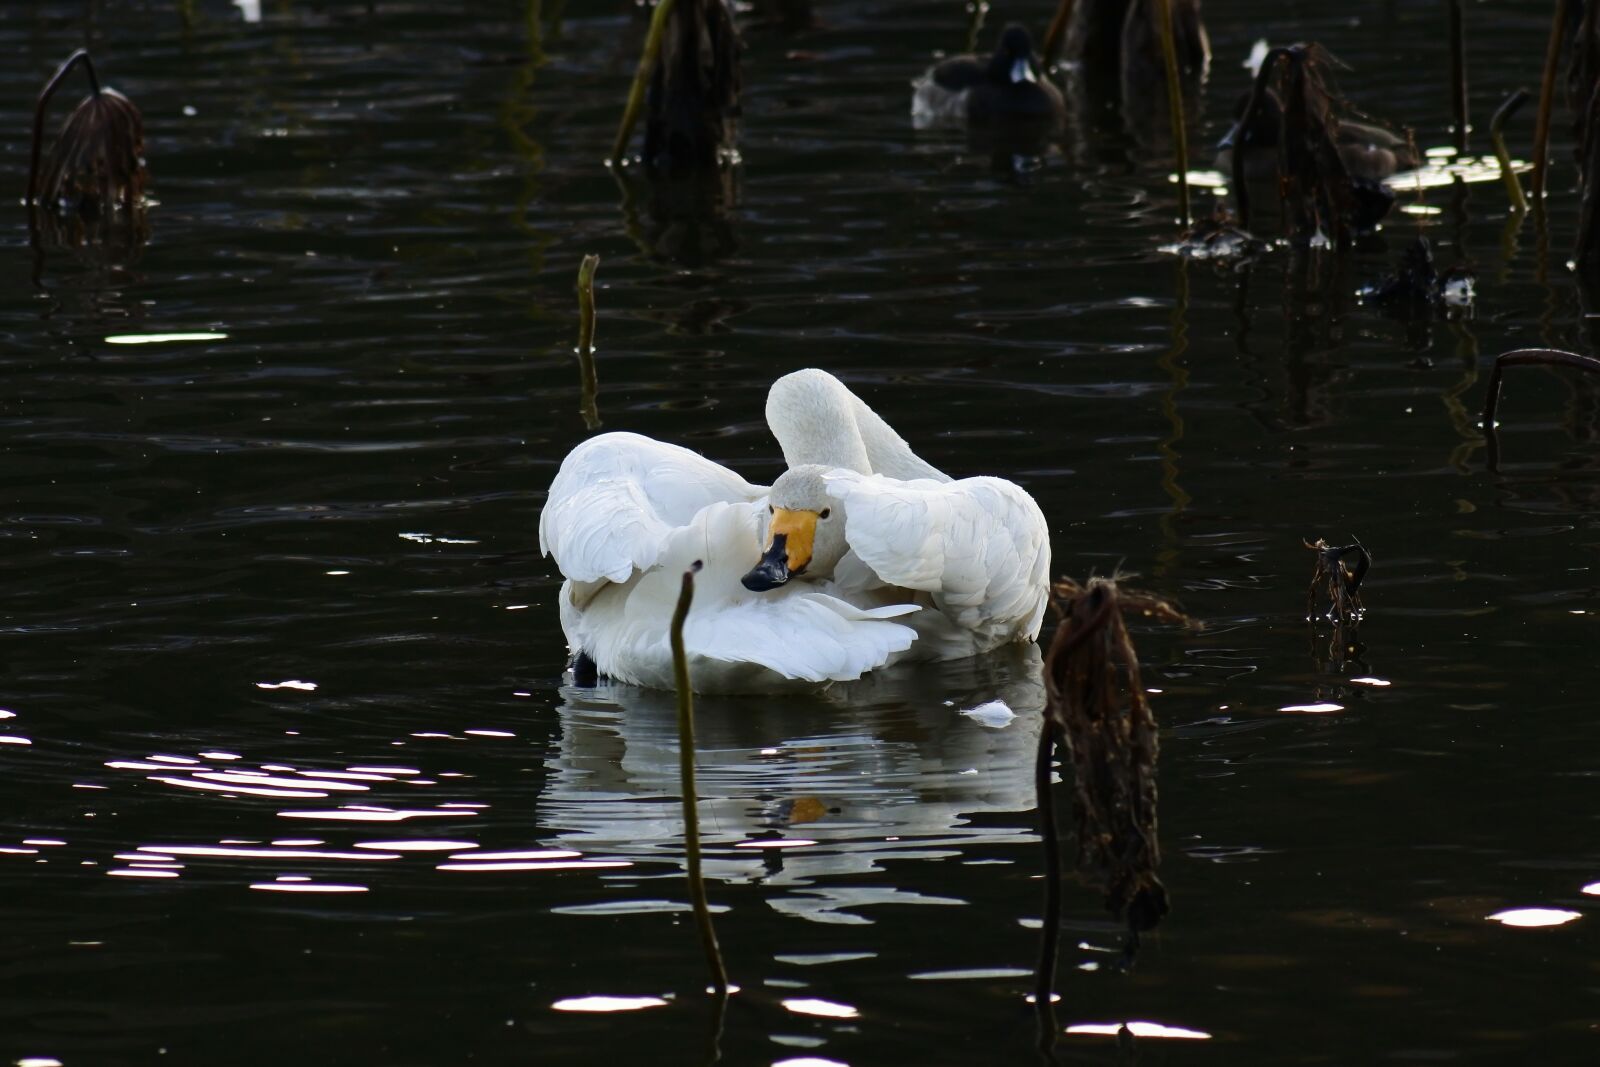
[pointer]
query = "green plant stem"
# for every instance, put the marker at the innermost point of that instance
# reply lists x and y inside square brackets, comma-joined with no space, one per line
[691,819]
[1519,202]
[1180,137]
[641,78]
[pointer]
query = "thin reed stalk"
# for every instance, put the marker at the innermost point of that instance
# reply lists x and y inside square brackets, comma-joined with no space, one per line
[1180,137]
[691,816]
[1547,93]
[589,378]
[1057,31]
[1050,932]
[1514,193]
[641,79]
[1458,74]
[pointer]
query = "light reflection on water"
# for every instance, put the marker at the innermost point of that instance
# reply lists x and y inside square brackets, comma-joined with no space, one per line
[887,777]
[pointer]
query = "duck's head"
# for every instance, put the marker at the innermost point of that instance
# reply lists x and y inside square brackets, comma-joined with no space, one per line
[1013,56]
[803,533]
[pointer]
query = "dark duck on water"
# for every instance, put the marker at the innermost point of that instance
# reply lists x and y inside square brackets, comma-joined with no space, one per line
[1005,88]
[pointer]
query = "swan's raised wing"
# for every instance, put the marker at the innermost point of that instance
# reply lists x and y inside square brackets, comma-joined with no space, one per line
[617,497]
[980,546]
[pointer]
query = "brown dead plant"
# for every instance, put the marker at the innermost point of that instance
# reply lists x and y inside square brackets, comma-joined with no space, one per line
[96,164]
[1338,583]
[1095,699]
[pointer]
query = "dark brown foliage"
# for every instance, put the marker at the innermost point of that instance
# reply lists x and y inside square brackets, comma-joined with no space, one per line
[1321,196]
[691,116]
[1095,698]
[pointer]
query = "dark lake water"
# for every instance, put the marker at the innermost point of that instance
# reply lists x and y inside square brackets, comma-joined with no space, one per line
[282,673]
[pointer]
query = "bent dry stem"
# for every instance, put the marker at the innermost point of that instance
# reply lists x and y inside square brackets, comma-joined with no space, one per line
[49,90]
[691,818]
[1523,357]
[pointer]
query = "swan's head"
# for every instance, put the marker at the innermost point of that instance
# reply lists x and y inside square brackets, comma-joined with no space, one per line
[804,530]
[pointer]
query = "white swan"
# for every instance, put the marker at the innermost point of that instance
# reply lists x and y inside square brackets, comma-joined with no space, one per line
[860,554]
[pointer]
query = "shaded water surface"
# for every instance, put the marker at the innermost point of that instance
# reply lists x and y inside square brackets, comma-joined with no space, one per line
[287,767]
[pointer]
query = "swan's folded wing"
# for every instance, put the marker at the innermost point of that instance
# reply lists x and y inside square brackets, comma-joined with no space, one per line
[979,545]
[813,637]
[617,497]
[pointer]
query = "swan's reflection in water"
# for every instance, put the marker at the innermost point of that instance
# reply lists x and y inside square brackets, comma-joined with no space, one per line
[798,791]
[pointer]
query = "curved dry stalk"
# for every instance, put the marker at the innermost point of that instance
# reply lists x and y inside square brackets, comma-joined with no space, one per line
[1523,357]
[80,56]
[691,816]
[641,78]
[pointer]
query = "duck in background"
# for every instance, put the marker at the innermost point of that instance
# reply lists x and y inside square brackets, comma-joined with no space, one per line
[1003,90]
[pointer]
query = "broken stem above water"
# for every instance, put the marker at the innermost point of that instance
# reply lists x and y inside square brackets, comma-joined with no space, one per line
[641,78]
[590,383]
[691,817]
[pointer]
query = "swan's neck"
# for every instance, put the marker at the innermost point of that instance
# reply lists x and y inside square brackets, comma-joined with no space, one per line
[817,420]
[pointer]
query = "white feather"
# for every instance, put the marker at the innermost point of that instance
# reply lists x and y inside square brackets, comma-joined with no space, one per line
[980,546]
[617,497]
